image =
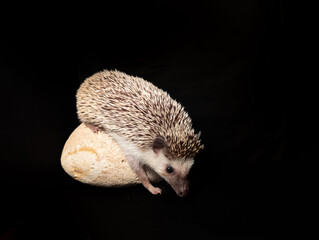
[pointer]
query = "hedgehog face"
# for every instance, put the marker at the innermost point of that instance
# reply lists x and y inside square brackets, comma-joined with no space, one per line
[175,172]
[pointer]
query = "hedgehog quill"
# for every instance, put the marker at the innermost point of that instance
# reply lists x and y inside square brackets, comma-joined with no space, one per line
[152,129]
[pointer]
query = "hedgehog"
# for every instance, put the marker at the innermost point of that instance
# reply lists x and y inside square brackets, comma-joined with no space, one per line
[152,129]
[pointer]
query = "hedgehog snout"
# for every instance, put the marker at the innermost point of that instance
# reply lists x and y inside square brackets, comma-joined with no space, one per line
[183,193]
[180,186]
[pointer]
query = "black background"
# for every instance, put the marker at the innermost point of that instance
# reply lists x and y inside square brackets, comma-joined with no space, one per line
[243,71]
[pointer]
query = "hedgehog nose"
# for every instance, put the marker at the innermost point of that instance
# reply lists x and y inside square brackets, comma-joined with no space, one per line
[183,193]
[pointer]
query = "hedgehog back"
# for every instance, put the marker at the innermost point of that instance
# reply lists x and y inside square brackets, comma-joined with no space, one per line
[136,110]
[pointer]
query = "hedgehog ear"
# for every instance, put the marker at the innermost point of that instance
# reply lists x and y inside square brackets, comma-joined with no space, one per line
[159,144]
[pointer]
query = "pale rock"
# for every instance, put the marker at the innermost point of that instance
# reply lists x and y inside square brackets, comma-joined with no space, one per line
[94,158]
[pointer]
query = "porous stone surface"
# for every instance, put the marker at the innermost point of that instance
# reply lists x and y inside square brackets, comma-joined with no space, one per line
[94,158]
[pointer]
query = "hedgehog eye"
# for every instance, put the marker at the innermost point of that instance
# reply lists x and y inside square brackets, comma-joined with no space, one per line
[169,169]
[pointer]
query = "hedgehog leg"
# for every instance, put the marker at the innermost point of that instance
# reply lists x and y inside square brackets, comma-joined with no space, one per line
[146,182]
[93,128]
[140,172]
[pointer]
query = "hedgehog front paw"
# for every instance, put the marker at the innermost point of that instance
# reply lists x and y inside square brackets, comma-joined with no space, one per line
[155,190]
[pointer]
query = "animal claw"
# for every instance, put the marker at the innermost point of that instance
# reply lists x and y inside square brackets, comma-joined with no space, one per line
[156,191]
